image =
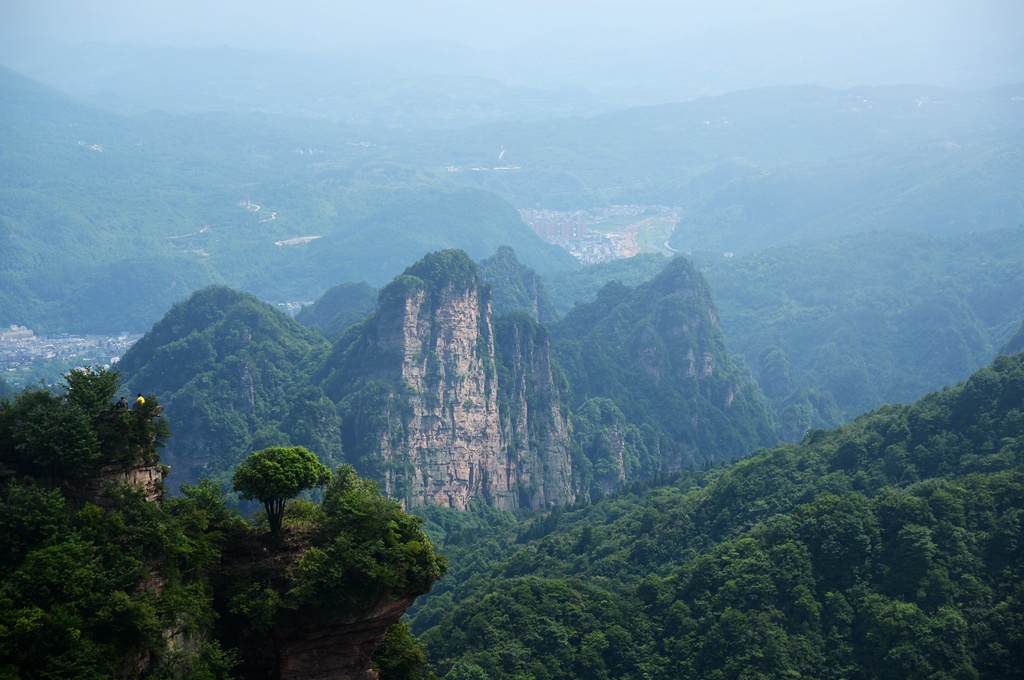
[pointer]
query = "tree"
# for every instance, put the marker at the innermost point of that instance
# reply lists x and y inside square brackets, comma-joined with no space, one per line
[275,475]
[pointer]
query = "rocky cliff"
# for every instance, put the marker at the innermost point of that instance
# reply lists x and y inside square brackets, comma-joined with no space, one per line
[658,353]
[422,404]
[535,429]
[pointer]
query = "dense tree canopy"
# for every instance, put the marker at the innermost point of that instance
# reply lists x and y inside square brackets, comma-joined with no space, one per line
[111,584]
[888,548]
[73,433]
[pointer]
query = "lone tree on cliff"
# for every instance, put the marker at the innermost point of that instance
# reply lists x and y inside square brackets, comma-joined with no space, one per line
[277,474]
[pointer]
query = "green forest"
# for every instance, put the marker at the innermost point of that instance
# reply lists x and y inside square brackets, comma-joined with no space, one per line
[138,211]
[386,428]
[887,548]
[104,577]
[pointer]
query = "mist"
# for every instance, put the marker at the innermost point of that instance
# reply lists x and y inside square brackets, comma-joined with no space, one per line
[623,53]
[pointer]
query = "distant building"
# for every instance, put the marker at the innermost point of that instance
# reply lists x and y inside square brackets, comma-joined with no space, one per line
[17,333]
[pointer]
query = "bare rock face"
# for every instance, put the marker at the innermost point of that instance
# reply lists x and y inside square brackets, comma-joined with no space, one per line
[340,648]
[535,430]
[428,411]
[149,477]
[452,431]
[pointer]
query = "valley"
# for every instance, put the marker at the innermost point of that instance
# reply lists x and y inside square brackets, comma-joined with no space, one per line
[453,368]
[601,235]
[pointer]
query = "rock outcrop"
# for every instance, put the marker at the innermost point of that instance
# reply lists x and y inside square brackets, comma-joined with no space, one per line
[428,412]
[535,428]
[145,476]
[340,648]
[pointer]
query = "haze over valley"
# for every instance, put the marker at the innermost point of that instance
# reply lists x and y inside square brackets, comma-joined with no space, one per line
[627,339]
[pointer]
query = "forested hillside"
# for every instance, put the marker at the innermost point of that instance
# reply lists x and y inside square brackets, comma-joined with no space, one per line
[516,287]
[102,577]
[887,548]
[1016,343]
[833,328]
[136,212]
[232,373]
[436,396]
[338,308]
[652,380]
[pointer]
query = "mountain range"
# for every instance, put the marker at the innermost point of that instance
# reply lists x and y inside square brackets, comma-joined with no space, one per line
[286,207]
[443,401]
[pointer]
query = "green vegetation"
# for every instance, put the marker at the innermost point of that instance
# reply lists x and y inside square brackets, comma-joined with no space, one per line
[275,475]
[888,548]
[834,328]
[75,433]
[78,570]
[516,287]
[1016,343]
[367,548]
[339,308]
[234,374]
[657,352]
[132,213]
[571,288]
[78,193]
[105,581]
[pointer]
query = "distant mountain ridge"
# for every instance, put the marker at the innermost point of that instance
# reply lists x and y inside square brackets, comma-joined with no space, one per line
[285,207]
[443,401]
[167,204]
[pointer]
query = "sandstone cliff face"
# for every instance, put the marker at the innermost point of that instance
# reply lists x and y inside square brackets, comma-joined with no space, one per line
[452,435]
[447,432]
[340,648]
[146,476]
[535,429]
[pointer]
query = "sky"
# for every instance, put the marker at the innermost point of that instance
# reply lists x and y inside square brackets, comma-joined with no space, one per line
[301,24]
[948,42]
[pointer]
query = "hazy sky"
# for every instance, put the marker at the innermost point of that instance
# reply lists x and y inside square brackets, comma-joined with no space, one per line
[955,42]
[300,24]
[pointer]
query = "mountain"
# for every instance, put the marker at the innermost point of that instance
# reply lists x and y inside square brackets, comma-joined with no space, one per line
[1015,344]
[133,213]
[231,372]
[835,327]
[338,308]
[516,287]
[443,402]
[658,353]
[570,288]
[285,207]
[420,386]
[424,84]
[383,244]
[764,167]
[889,547]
